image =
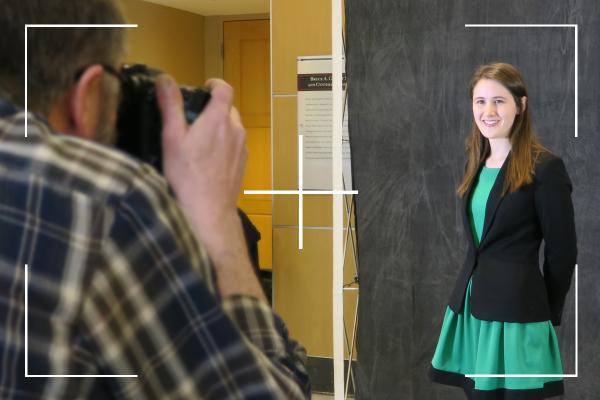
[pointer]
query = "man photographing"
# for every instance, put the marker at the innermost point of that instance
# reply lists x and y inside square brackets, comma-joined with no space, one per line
[124,278]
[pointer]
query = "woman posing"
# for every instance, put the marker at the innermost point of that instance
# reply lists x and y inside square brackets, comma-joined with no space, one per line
[515,194]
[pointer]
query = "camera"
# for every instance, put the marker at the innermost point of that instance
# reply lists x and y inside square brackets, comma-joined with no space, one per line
[139,121]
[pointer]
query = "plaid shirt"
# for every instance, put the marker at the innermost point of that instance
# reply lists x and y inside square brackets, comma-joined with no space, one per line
[119,285]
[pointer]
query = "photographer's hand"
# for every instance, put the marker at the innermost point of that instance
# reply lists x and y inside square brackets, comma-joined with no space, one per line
[204,163]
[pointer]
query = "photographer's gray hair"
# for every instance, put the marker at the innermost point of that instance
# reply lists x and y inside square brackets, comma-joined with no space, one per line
[55,55]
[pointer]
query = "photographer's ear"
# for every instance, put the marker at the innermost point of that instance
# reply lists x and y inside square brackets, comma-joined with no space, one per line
[83,102]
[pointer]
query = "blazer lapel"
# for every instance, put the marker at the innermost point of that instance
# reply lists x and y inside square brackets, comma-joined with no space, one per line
[494,200]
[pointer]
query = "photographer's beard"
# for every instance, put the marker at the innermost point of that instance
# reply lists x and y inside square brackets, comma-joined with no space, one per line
[107,113]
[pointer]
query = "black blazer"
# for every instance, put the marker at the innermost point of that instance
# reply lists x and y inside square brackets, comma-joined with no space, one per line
[508,285]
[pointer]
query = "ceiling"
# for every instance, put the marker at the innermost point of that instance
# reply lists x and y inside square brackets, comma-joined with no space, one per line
[218,7]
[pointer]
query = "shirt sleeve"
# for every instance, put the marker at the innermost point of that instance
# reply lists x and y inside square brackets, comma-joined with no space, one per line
[267,331]
[152,313]
[555,212]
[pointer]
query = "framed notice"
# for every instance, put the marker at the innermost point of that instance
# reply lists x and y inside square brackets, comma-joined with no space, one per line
[314,124]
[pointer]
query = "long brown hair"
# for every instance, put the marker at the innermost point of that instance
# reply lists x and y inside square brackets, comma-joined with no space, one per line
[525,146]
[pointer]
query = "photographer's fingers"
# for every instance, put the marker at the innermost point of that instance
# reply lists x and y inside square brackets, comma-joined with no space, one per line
[216,116]
[170,103]
[222,94]
[220,90]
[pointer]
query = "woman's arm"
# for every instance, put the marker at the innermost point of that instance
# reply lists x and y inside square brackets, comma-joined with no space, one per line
[555,212]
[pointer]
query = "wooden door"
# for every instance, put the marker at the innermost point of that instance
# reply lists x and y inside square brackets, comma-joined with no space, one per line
[246,52]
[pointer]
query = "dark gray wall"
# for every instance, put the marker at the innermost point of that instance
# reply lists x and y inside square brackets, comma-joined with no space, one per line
[408,65]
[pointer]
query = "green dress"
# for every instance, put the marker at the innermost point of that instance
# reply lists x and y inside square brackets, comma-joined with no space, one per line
[469,346]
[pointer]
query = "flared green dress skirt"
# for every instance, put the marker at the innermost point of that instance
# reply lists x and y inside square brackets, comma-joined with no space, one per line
[469,346]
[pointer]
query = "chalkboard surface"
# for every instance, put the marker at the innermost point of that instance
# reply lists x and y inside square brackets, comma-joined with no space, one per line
[408,66]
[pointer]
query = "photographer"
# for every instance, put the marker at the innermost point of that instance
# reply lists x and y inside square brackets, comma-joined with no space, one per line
[123,277]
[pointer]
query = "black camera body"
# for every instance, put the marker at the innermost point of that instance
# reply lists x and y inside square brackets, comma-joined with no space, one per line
[139,121]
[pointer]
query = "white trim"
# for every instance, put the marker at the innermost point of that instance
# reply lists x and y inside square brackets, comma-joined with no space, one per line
[81,376]
[521,376]
[303,192]
[309,227]
[576,320]
[576,81]
[338,207]
[26,322]
[520,25]
[272,117]
[81,26]
[26,119]
[300,190]
[323,57]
